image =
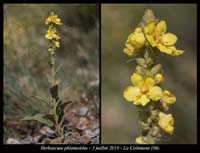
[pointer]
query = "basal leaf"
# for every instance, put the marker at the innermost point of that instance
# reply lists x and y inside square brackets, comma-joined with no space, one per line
[49,117]
[40,118]
[42,99]
[64,104]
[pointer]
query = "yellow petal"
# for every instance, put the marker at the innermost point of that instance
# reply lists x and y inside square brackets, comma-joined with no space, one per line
[137,80]
[155,93]
[137,40]
[142,100]
[169,129]
[129,50]
[129,38]
[166,122]
[138,30]
[139,140]
[165,49]
[57,44]
[177,52]
[48,36]
[161,28]
[168,97]
[150,27]
[151,40]
[131,93]
[169,39]
[149,82]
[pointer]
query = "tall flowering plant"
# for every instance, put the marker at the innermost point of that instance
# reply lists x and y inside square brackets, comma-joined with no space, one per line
[55,118]
[145,44]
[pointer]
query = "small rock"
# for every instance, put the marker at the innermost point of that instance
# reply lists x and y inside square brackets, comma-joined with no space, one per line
[95,140]
[83,123]
[90,134]
[83,111]
[96,131]
[27,140]
[84,139]
[12,141]
[36,138]
[72,138]
[46,131]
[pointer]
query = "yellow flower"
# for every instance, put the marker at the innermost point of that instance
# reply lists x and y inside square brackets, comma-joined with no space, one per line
[136,40]
[139,140]
[168,97]
[53,18]
[159,78]
[57,44]
[51,34]
[142,91]
[157,37]
[144,140]
[166,122]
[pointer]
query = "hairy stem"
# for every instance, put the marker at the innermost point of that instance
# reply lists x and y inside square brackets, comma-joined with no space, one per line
[59,130]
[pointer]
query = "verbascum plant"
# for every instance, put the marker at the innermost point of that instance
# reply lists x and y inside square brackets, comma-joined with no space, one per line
[54,119]
[144,45]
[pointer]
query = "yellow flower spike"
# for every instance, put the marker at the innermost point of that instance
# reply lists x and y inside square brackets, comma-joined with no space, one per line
[159,78]
[168,98]
[157,37]
[166,122]
[135,41]
[51,33]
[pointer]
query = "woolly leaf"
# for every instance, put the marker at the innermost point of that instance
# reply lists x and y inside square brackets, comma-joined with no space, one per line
[40,118]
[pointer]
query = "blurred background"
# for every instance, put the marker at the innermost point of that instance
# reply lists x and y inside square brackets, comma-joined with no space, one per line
[119,118]
[26,59]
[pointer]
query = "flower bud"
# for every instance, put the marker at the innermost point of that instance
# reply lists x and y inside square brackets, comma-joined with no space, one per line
[156,69]
[159,78]
[140,61]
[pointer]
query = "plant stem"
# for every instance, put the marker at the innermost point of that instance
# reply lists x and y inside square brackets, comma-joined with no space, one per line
[59,130]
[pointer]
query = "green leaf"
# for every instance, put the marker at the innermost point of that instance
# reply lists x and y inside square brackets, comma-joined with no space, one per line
[130,60]
[54,91]
[49,117]
[59,110]
[64,104]
[40,98]
[40,118]
[57,69]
